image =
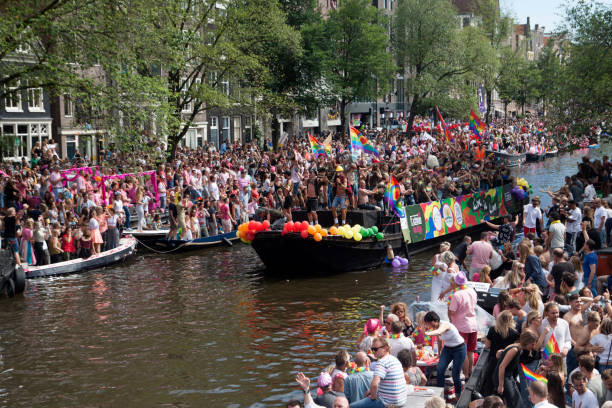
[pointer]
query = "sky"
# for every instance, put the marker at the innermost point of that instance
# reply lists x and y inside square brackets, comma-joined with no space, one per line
[547,13]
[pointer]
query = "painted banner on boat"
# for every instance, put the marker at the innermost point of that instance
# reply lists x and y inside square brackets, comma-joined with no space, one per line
[437,218]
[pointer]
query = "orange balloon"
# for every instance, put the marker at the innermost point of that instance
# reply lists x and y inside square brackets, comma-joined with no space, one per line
[317,237]
[333,230]
[311,230]
[323,232]
[318,227]
[243,227]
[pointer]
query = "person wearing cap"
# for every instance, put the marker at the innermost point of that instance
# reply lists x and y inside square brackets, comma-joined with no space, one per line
[532,215]
[328,396]
[304,382]
[462,313]
[340,188]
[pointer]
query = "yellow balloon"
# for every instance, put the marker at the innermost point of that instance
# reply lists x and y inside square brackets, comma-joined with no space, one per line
[238,234]
[357,236]
[348,234]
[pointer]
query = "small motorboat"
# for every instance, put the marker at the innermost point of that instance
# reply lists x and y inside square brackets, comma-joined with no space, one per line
[126,248]
[552,153]
[180,245]
[594,146]
[147,237]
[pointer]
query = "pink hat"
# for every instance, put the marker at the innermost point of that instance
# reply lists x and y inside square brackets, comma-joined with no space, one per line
[460,278]
[324,380]
[371,326]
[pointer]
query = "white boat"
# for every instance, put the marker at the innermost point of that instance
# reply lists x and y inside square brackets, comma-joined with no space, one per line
[119,254]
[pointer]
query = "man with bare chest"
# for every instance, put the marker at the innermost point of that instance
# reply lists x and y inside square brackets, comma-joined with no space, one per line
[577,328]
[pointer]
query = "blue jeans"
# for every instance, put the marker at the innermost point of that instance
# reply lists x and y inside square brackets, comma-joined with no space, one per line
[457,356]
[126,210]
[368,403]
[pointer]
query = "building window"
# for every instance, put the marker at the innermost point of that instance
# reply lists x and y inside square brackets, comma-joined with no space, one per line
[466,21]
[213,122]
[35,100]
[68,107]
[225,87]
[247,121]
[184,89]
[12,101]
[225,129]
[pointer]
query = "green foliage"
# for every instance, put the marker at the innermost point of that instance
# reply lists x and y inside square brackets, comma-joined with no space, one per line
[437,57]
[353,50]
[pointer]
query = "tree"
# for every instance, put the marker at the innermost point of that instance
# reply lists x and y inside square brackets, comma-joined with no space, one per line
[217,55]
[434,54]
[587,84]
[355,60]
[496,27]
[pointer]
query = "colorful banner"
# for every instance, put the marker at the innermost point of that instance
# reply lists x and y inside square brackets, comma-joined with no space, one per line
[437,218]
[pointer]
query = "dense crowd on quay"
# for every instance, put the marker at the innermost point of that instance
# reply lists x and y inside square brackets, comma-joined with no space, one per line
[54,209]
[59,214]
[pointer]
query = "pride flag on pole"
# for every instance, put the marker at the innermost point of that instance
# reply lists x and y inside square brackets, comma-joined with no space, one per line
[531,376]
[317,148]
[551,347]
[393,197]
[366,146]
[447,132]
[476,125]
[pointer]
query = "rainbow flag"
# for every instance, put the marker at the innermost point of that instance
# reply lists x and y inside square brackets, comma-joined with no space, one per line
[367,146]
[551,347]
[317,148]
[447,133]
[476,125]
[355,142]
[393,197]
[531,376]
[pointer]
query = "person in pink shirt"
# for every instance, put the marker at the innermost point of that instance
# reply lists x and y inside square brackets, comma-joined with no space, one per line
[462,313]
[481,252]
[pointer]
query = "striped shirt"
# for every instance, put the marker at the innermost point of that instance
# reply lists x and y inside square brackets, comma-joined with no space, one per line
[392,386]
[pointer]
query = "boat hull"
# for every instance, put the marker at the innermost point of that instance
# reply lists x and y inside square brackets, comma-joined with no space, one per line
[552,153]
[121,253]
[177,245]
[533,157]
[292,255]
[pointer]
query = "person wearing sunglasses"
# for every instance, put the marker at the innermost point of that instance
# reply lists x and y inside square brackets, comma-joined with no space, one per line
[388,386]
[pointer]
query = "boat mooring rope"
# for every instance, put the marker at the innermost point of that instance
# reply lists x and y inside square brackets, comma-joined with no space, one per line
[162,252]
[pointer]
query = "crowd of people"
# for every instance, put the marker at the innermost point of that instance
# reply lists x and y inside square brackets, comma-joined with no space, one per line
[206,191]
[545,265]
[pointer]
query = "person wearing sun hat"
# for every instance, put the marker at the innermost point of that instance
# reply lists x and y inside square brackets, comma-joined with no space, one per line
[462,313]
[328,396]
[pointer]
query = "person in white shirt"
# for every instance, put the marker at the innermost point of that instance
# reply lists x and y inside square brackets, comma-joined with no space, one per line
[574,219]
[560,328]
[603,344]
[599,219]
[589,193]
[538,395]
[582,397]
[531,216]
[399,342]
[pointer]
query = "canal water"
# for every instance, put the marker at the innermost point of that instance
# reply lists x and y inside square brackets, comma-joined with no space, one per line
[203,329]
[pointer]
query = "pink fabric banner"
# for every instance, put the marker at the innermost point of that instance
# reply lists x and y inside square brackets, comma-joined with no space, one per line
[124,175]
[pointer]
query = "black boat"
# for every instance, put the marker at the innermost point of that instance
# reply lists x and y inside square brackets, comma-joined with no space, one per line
[119,254]
[180,245]
[535,157]
[289,254]
[334,254]
[12,277]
